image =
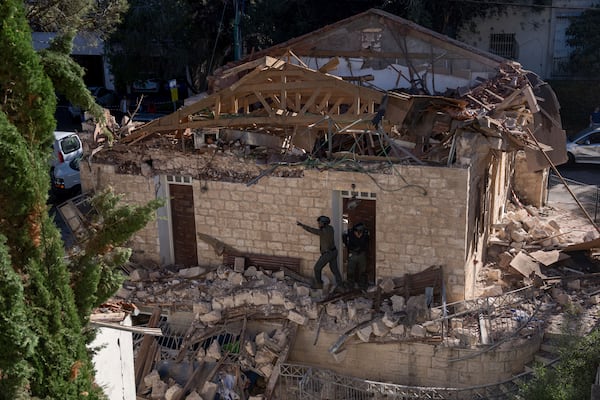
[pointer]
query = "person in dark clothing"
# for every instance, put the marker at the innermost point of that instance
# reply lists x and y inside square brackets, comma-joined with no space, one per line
[357,243]
[329,252]
[595,117]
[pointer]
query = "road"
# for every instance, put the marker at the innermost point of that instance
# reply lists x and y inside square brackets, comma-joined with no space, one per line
[584,182]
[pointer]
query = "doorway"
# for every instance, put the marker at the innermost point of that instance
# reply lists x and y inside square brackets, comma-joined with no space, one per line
[361,207]
[183,225]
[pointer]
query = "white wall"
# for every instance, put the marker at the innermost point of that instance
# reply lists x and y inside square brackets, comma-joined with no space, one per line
[539,34]
[114,362]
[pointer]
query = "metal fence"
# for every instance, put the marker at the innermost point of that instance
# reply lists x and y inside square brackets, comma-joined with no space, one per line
[302,382]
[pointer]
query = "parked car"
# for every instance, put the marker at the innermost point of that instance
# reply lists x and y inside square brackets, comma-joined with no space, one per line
[584,147]
[67,151]
[104,97]
[66,179]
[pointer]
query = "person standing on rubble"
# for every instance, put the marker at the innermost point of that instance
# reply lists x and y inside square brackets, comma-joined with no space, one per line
[329,252]
[357,243]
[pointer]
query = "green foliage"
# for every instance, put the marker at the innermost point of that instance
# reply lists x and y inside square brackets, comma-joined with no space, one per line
[583,36]
[67,75]
[17,341]
[44,353]
[100,16]
[577,98]
[572,377]
[96,273]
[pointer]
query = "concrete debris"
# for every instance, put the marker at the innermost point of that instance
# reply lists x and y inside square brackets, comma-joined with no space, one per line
[214,297]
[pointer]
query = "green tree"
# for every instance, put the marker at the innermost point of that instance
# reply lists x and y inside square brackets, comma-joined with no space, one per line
[583,36]
[572,377]
[42,322]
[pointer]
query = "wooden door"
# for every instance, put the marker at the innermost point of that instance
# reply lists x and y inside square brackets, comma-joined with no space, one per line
[183,225]
[362,210]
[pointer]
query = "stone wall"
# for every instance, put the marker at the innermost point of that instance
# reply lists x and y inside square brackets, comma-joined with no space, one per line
[421,216]
[413,363]
[531,187]
[135,189]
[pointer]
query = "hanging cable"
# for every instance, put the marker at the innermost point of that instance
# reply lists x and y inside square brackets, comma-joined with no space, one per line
[212,56]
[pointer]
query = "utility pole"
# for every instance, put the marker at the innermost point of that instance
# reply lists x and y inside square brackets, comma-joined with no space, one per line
[237,33]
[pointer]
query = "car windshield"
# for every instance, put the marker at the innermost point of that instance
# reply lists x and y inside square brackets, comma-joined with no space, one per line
[70,144]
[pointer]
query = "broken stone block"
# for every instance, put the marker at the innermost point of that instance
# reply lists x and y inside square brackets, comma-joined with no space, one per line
[265,370]
[211,317]
[250,347]
[151,378]
[436,313]
[387,285]
[519,235]
[257,397]
[201,307]
[301,290]
[418,331]
[276,298]
[311,311]
[191,272]
[434,328]
[236,279]
[334,310]
[214,351]
[398,330]
[159,388]
[390,320]
[209,390]
[280,275]
[297,317]
[227,302]
[250,272]
[193,396]
[279,337]
[123,293]
[264,356]
[398,303]
[242,298]
[216,304]
[465,337]
[379,328]
[288,304]
[365,333]
[261,339]
[260,298]
[173,392]
[200,354]
[138,274]
[560,296]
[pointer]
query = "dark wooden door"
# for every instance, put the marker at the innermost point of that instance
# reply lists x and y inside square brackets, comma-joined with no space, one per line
[183,225]
[363,210]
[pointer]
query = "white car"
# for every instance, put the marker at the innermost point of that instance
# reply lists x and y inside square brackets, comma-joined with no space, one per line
[67,151]
[584,147]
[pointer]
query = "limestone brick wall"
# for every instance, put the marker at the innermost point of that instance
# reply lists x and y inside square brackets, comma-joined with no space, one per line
[530,186]
[135,189]
[421,216]
[415,364]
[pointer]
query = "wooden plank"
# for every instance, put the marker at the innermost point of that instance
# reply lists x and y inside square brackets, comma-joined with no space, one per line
[280,360]
[148,348]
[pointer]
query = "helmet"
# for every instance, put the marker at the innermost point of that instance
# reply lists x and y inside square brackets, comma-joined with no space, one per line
[324,219]
[360,227]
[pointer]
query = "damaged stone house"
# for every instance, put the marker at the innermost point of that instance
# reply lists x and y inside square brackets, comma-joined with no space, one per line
[372,119]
